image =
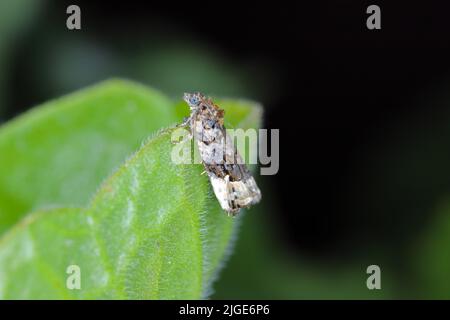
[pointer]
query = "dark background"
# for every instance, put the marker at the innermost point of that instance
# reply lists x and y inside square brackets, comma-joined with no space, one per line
[363,114]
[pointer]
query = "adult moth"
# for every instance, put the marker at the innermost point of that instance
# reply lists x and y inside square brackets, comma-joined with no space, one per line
[232,182]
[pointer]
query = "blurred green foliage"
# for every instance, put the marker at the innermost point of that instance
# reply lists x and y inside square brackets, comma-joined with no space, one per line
[15,18]
[431,256]
[261,267]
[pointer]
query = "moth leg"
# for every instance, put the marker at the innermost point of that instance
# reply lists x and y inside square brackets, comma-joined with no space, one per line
[189,136]
[185,123]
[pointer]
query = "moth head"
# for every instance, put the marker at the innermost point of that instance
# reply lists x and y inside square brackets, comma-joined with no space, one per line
[193,99]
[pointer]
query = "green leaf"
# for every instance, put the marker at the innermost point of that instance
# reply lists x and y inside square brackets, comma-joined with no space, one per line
[35,255]
[147,234]
[153,230]
[58,153]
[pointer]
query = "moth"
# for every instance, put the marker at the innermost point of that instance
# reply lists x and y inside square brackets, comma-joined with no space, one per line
[232,182]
